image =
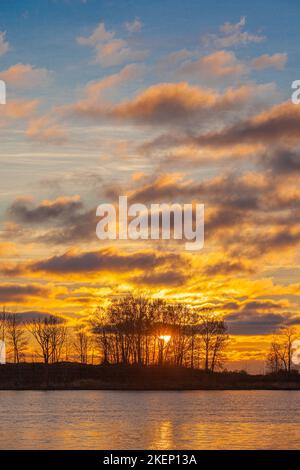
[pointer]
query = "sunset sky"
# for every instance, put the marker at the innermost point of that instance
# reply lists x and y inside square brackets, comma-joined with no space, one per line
[162,101]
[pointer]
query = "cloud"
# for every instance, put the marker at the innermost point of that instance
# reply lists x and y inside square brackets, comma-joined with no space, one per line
[161,188]
[165,278]
[230,28]
[20,292]
[63,220]
[247,214]
[25,211]
[105,259]
[117,52]
[36,315]
[110,50]
[254,305]
[226,268]
[265,61]
[25,76]
[79,227]
[134,26]
[284,238]
[8,249]
[280,124]
[99,35]
[231,35]
[4,45]
[257,316]
[254,324]
[251,201]
[282,161]
[175,104]
[230,191]
[17,110]
[174,58]
[232,202]
[220,64]
[165,102]
[45,129]
[98,90]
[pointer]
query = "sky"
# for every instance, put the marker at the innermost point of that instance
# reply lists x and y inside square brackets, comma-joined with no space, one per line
[162,101]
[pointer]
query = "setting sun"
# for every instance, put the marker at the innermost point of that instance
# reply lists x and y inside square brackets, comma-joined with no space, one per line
[165,338]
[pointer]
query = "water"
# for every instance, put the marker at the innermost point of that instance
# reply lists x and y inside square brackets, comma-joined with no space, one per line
[150,420]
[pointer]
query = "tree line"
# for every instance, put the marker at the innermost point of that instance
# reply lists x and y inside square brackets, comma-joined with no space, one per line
[130,330]
[136,330]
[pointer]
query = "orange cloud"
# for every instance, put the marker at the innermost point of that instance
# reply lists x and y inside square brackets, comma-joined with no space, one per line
[97,90]
[280,124]
[13,292]
[265,61]
[18,109]
[108,260]
[7,249]
[109,49]
[220,64]
[231,35]
[25,76]
[45,129]
[172,103]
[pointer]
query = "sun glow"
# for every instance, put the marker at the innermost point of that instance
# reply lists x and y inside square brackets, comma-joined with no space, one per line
[165,338]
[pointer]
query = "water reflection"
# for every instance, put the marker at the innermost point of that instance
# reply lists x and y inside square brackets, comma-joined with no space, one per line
[149,420]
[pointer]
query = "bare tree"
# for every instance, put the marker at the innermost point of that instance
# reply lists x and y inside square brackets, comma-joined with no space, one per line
[50,335]
[16,336]
[58,339]
[279,357]
[274,361]
[81,344]
[214,338]
[41,331]
[289,335]
[100,327]
[3,324]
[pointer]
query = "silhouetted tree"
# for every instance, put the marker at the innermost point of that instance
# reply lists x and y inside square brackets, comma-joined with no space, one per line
[81,344]
[50,334]
[3,324]
[16,337]
[214,338]
[100,327]
[279,357]
[142,331]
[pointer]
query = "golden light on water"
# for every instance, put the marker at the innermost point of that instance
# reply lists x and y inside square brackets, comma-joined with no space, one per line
[165,338]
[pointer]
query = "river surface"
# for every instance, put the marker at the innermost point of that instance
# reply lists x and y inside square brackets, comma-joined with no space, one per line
[150,420]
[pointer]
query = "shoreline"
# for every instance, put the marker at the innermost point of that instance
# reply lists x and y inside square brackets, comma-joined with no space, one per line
[74,376]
